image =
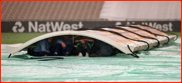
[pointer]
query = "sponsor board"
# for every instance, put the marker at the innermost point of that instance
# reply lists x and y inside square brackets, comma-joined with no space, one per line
[53,26]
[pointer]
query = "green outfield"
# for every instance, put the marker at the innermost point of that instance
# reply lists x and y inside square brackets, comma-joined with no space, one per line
[12,38]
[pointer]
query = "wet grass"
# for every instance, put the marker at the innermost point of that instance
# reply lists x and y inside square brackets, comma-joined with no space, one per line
[12,38]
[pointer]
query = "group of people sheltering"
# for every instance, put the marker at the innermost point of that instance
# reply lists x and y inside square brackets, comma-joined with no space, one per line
[66,46]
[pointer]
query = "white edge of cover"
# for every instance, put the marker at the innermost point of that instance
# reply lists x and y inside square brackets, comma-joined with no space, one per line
[12,49]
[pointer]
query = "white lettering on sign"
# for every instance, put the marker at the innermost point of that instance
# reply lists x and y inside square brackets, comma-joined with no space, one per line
[161,27]
[52,26]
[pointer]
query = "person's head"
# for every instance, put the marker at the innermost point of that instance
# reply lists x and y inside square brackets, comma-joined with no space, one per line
[49,39]
[65,37]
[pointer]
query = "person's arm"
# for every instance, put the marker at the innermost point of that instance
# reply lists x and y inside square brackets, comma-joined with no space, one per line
[77,41]
[81,40]
[61,43]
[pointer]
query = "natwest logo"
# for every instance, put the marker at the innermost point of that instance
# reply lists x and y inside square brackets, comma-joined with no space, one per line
[18,27]
[52,26]
[36,26]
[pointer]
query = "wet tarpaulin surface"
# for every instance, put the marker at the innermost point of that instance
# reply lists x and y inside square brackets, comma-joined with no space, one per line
[161,64]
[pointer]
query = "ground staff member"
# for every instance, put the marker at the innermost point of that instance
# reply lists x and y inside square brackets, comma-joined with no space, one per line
[63,46]
[84,46]
[43,47]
